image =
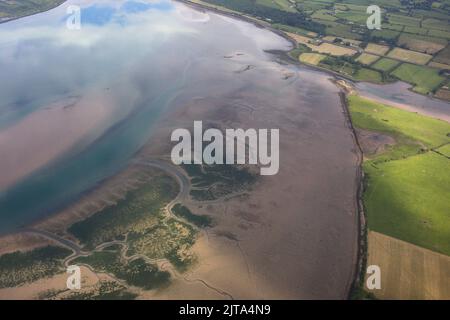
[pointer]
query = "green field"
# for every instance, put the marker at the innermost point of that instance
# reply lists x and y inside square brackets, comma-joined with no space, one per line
[445,150]
[425,79]
[408,199]
[406,188]
[385,64]
[364,74]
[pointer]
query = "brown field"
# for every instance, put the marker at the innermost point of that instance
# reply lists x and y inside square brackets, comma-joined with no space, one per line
[443,94]
[439,65]
[327,48]
[420,45]
[409,56]
[312,58]
[329,38]
[333,49]
[408,271]
[443,56]
[299,38]
[377,49]
[367,58]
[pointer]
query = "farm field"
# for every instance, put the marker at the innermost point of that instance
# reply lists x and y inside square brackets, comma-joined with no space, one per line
[443,56]
[408,271]
[406,195]
[416,34]
[332,49]
[422,44]
[409,56]
[377,49]
[365,74]
[405,199]
[439,65]
[367,59]
[424,78]
[312,58]
[385,64]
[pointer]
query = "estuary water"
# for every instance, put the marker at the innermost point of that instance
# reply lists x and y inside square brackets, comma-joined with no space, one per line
[76,105]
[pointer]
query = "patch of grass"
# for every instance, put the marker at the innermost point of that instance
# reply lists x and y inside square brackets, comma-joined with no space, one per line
[406,189]
[323,15]
[440,34]
[374,116]
[444,150]
[424,78]
[408,199]
[385,64]
[404,20]
[385,34]
[364,74]
[409,56]
[295,30]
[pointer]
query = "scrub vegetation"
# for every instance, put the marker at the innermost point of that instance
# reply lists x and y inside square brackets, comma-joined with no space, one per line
[18,268]
[211,182]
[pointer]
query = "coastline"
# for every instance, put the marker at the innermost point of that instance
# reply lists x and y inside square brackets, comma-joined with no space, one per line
[359,174]
[356,269]
[406,107]
[361,216]
[266,25]
[32,14]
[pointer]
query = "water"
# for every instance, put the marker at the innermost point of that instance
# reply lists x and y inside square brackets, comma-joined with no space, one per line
[77,105]
[135,57]
[399,94]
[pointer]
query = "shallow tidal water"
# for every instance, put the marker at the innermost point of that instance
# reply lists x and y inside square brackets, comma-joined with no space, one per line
[132,59]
